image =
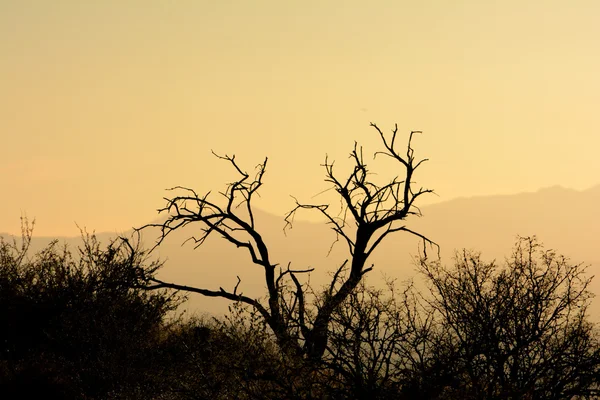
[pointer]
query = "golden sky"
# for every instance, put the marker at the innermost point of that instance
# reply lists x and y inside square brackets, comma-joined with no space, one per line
[104,104]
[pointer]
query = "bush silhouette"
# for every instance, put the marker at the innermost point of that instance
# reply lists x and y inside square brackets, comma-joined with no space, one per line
[77,322]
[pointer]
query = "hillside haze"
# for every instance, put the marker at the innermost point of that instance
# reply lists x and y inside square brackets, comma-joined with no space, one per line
[563,219]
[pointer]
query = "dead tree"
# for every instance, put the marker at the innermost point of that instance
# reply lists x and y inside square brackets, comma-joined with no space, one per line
[376,211]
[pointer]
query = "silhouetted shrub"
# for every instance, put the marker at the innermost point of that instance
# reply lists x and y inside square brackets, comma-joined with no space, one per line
[520,331]
[230,357]
[77,324]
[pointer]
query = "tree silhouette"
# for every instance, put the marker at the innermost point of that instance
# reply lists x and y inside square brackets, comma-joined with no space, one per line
[376,212]
[518,331]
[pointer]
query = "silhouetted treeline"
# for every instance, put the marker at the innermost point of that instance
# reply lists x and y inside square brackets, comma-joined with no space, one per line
[81,326]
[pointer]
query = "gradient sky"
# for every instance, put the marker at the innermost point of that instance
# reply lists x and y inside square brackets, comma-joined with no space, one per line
[104,104]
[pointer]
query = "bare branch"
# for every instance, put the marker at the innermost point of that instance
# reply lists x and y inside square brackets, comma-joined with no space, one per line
[159,284]
[336,277]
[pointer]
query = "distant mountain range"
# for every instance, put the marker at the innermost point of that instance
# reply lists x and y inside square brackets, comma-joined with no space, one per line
[563,219]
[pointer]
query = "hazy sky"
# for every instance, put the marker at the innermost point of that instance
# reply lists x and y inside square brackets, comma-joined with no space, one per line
[104,104]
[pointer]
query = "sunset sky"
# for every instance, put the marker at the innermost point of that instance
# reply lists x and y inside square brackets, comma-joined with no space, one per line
[104,104]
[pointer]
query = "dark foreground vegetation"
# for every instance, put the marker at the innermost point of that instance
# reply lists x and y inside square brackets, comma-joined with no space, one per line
[81,327]
[100,324]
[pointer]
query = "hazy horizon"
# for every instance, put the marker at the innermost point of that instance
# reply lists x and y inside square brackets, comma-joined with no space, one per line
[486,224]
[303,217]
